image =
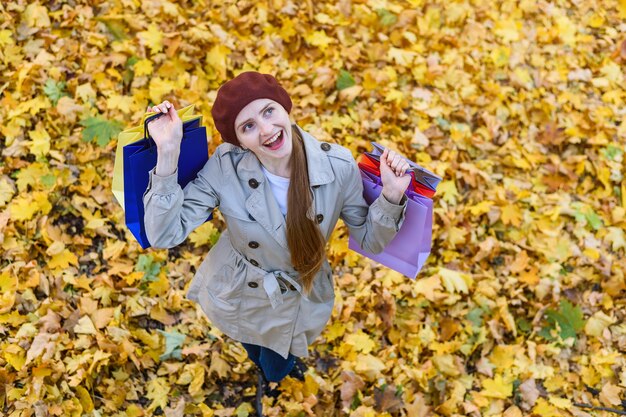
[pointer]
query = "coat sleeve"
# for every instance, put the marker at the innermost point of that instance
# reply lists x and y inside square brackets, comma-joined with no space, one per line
[372,226]
[172,213]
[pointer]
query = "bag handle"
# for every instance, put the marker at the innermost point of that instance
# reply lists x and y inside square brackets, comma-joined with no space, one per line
[146,134]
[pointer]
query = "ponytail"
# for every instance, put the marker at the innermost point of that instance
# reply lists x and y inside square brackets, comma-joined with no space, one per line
[305,240]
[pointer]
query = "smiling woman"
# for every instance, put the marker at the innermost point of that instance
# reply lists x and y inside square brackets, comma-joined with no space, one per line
[267,282]
[264,128]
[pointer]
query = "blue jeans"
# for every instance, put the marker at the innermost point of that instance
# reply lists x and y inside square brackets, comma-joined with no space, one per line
[274,366]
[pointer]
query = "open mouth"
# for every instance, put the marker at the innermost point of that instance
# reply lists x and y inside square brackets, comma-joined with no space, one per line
[275,141]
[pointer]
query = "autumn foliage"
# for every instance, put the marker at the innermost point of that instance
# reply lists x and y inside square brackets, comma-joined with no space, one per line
[519,106]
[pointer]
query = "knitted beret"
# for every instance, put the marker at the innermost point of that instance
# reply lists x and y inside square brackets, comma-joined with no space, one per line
[237,93]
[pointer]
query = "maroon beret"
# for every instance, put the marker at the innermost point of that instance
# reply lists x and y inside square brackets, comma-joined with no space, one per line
[237,93]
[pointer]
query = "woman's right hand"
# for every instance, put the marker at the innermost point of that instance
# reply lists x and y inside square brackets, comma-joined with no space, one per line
[167,130]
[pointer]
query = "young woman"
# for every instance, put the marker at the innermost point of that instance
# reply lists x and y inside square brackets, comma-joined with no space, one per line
[267,283]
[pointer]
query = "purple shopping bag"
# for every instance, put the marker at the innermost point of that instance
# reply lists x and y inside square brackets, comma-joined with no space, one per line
[408,250]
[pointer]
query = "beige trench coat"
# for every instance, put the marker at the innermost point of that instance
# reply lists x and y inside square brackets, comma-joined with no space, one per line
[246,285]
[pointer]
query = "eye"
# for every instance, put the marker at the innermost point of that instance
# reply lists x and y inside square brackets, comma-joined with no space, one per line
[247,126]
[269,111]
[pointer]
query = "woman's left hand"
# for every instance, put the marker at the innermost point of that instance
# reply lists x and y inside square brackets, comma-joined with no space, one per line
[393,174]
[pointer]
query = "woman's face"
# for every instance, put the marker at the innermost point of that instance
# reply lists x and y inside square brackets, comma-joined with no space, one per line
[263,126]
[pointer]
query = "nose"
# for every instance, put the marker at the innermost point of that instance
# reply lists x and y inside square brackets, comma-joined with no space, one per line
[265,127]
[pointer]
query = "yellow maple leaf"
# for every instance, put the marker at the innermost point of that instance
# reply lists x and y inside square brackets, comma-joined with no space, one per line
[361,342]
[508,29]
[31,176]
[143,67]
[319,39]
[448,191]
[123,103]
[159,88]
[566,29]
[85,92]
[456,235]
[455,281]
[428,286]
[287,30]
[36,15]
[481,208]
[217,61]
[218,365]
[500,56]
[597,323]
[63,260]
[158,392]
[7,190]
[25,207]
[446,364]
[503,356]
[160,286]
[14,355]
[85,326]
[616,238]
[204,234]
[497,387]
[152,38]
[511,214]
[6,37]
[401,57]
[40,141]
[394,95]
[370,366]
[8,287]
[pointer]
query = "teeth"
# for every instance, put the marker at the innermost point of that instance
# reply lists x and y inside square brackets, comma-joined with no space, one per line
[272,139]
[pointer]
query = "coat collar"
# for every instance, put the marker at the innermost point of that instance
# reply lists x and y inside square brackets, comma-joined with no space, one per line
[261,203]
[320,170]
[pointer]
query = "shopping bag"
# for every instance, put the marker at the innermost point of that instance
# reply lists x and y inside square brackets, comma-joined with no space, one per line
[420,174]
[409,249]
[371,165]
[140,158]
[131,135]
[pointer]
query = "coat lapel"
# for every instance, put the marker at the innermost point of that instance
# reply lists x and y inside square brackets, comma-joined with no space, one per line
[320,170]
[261,204]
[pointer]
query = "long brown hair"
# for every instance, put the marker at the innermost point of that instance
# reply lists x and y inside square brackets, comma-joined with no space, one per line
[304,237]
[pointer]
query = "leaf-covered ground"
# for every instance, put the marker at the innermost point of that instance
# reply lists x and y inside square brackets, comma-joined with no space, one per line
[518,105]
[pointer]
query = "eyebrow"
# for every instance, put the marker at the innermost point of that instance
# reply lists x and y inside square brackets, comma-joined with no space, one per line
[260,112]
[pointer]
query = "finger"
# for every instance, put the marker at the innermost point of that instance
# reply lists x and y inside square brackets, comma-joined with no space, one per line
[389,157]
[383,156]
[173,114]
[404,169]
[395,163]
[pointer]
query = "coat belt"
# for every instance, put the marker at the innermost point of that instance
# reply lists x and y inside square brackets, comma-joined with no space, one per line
[270,281]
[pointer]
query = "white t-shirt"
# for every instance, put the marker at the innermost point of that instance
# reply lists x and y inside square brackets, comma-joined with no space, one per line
[279,186]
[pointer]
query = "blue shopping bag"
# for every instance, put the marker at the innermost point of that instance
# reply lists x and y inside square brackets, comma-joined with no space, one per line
[141,157]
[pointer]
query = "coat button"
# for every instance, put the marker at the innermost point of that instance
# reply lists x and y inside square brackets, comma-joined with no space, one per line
[253,244]
[320,218]
[253,183]
[253,284]
[253,262]
[325,147]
